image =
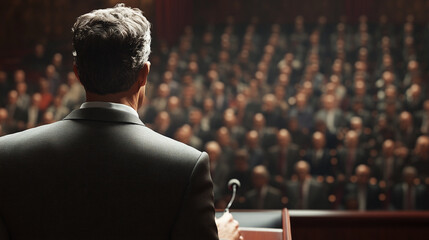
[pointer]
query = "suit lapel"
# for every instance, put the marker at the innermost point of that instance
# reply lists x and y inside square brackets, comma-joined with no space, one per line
[104,115]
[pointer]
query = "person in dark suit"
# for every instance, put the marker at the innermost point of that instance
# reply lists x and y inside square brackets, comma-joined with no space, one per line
[318,156]
[263,196]
[282,157]
[305,192]
[351,155]
[101,173]
[408,195]
[362,195]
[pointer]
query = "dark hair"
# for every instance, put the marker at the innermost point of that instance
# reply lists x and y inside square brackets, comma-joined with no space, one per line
[110,47]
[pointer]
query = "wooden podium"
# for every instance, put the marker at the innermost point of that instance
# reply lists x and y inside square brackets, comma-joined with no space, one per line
[357,225]
[262,224]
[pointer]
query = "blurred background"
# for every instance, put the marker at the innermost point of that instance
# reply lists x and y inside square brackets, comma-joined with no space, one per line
[313,104]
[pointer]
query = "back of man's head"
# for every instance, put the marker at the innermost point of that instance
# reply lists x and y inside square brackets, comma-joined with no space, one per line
[110,47]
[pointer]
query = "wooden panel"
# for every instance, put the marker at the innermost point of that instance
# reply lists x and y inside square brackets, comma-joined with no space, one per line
[262,233]
[344,225]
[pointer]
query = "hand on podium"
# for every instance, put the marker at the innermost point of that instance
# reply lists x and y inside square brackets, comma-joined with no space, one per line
[228,228]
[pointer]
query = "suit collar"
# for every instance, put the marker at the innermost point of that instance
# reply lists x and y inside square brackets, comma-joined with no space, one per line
[104,115]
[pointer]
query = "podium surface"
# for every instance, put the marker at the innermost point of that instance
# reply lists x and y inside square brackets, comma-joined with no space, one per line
[351,225]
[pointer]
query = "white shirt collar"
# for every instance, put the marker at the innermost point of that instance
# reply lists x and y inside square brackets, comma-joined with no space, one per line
[110,105]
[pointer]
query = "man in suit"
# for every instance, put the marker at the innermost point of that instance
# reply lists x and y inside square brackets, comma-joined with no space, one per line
[263,196]
[362,195]
[319,156]
[100,173]
[282,157]
[409,195]
[305,193]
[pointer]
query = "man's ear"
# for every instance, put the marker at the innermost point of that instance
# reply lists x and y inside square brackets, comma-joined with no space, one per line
[143,73]
[76,72]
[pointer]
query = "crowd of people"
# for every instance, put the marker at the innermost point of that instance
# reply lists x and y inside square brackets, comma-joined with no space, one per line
[307,116]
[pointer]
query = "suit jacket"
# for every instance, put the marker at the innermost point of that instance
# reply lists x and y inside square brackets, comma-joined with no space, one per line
[102,174]
[358,158]
[321,166]
[317,196]
[272,199]
[372,196]
[420,197]
[274,156]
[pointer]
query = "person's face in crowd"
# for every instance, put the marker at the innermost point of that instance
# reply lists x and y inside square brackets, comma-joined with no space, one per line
[39,50]
[415,91]
[283,138]
[283,80]
[163,90]
[193,67]
[413,66]
[356,124]
[184,134]
[259,177]
[252,139]
[12,97]
[36,99]
[388,148]
[269,103]
[208,105]
[405,120]
[187,79]
[71,78]
[168,77]
[351,139]
[57,59]
[62,90]
[229,119]
[362,174]
[19,76]
[329,102]
[50,71]
[162,119]
[409,175]
[390,92]
[241,101]
[426,106]
[195,116]
[173,103]
[388,78]
[258,121]
[302,170]
[279,92]
[318,140]
[422,148]
[3,115]
[21,88]
[213,150]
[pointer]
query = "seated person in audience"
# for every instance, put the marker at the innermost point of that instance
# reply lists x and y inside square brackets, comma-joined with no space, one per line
[406,132]
[263,196]
[362,195]
[420,157]
[241,171]
[252,145]
[410,194]
[318,156]
[351,155]
[218,169]
[305,192]
[282,157]
[387,166]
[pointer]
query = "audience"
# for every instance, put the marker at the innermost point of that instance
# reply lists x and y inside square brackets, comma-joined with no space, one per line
[349,100]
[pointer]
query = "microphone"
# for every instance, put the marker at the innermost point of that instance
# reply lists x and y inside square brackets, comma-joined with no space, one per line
[233,184]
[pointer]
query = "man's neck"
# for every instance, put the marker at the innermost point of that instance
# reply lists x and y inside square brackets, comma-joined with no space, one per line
[122,98]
